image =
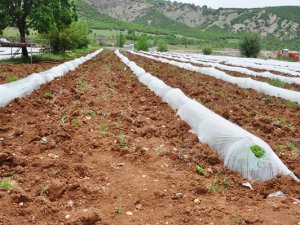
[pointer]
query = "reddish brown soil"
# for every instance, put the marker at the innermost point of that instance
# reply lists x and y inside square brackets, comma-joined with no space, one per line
[270,118]
[295,87]
[65,173]
[21,70]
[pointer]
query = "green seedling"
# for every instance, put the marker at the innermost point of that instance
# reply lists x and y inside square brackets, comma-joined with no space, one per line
[6,184]
[105,96]
[293,147]
[276,82]
[88,112]
[11,78]
[199,170]
[104,129]
[119,209]
[49,94]
[281,148]
[258,151]
[226,183]
[266,99]
[81,83]
[122,141]
[75,122]
[214,184]
[64,118]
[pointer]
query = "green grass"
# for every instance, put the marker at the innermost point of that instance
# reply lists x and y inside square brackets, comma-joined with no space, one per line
[122,141]
[293,147]
[11,78]
[6,184]
[276,82]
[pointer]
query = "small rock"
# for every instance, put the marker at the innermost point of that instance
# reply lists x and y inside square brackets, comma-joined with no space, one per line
[67,216]
[70,204]
[247,185]
[120,164]
[197,200]
[178,196]
[21,203]
[139,206]
[1,139]
[44,140]
[277,194]
[53,156]
[128,213]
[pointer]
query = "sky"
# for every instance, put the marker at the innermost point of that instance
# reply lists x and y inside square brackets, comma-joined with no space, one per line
[241,3]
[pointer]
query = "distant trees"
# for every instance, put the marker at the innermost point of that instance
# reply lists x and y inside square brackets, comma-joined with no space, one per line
[121,40]
[142,44]
[41,15]
[250,45]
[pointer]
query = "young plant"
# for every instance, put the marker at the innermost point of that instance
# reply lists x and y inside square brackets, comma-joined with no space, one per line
[276,82]
[199,170]
[122,141]
[214,184]
[258,151]
[64,118]
[6,184]
[104,129]
[11,78]
[49,95]
[75,122]
[293,147]
[105,96]
[160,149]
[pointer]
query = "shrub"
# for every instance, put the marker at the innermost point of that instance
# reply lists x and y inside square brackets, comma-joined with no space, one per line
[74,37]
[162,45]
[207,51]
[142,44]
[250,45]
[121,40]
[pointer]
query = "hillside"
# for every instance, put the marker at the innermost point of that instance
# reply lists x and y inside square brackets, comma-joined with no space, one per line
[280,22]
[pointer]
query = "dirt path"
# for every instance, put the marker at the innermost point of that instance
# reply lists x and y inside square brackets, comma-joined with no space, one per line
[97,147]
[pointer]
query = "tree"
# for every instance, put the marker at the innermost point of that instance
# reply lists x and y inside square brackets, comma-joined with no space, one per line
[162,45]
[207,50]
[142,44]
[41,15]
[121,40]
[250,45]
[76,36]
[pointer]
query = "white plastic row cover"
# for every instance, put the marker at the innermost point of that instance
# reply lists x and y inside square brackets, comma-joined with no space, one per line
[242,82]
[285,79]
[230,141]
[291,68]
[26,86]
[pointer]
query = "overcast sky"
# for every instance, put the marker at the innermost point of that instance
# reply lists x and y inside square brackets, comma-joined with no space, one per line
[241,3]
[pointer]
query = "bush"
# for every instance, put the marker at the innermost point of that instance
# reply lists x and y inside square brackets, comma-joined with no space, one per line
[207,51]
[250,45]
[74,37]
[121,40]
[162,45]
[142,44]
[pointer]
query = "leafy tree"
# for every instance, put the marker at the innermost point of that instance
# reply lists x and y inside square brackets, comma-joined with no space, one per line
[142,44]
[41,15]
[207,51]
[162,45]
[250,45]
[121,40]
[76,36]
